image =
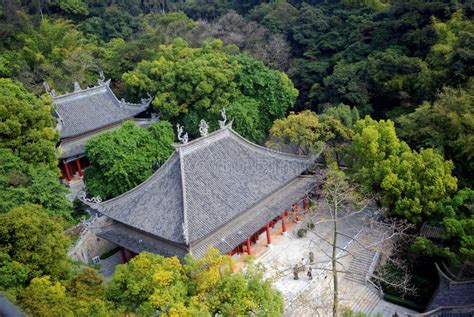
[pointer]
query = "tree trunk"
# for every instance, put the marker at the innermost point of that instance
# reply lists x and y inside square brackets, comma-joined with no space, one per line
[334,266]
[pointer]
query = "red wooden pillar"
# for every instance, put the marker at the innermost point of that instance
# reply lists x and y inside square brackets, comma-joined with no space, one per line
[269,237]
[305,204]
[123,257]
[249,251]
[283,225]
[79,167]
[66,169]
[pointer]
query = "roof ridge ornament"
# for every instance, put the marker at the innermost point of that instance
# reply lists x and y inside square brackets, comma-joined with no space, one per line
[181,137]
[94,202]
[77,87]
[48,89]
[203,127]
[101,79]
[224,119]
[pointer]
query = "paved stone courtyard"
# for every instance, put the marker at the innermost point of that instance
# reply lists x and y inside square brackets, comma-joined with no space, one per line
[304,297]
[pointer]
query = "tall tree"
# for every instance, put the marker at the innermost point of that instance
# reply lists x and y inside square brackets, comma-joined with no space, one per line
[123,158]
[30,237]
[446,124]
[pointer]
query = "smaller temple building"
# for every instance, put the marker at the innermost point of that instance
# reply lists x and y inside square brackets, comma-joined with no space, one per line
[219,190]
[84,113]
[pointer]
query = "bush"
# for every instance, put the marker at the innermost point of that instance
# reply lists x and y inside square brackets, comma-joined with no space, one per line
[302,232]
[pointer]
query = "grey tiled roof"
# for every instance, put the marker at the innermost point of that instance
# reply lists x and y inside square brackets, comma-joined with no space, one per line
[137,242]
[77,146]
[91,109]
[204,185]
[452,293]
[236,231]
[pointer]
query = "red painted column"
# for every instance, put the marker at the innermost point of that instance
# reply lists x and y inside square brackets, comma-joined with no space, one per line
[269,237]
[305,204]
[249,251]
[130,254]
[123,257]
[66,169]
[283,225]
[79,167]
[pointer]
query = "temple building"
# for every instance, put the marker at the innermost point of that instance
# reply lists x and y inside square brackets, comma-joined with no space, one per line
[218,190]
[84,113]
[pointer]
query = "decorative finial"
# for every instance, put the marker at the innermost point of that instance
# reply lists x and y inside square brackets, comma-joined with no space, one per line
[77,87]
[101,79]
[94,202]
[181,137]
[48,89]
[224,119]
[203,127]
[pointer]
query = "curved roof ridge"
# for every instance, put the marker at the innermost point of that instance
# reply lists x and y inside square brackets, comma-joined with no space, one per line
[87,89]
[263,148]
[145,182]
[183,189]
[228,128]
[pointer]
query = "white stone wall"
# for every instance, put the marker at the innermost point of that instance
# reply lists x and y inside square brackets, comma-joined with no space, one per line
[89,245]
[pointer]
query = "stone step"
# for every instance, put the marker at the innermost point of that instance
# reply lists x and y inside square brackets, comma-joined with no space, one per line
[366,302]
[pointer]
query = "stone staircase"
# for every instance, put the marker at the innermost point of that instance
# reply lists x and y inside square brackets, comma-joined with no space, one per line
[367,299]
[362,257]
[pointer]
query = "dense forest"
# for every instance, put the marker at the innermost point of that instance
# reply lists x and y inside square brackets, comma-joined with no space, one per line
[388,85]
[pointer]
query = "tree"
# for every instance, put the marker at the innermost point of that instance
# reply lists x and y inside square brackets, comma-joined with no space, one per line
[36,241]
[455,216]
[308,132]
[446,124]
[339,196]
[27,126]
[191,84]
[204,286]
[22,183]
[451,57]
[345,114]
[44,297]
[272,90]
[55,52]
[410,182]
[186,80]
[303,130]
[123,158]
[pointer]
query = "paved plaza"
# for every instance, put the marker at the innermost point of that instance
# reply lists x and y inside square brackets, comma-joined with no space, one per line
[305,297]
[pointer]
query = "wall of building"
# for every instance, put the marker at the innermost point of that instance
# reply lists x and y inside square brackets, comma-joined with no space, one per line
[89,245]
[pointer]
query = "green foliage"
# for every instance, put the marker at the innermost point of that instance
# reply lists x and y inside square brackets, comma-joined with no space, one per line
[13,274]
[45,297]
[302,232]
[204,286]
[123,158]
[452,56]
[448,125]
[308,132]
[410,182]
[345,114]
[22,183]
[36,241]
[56,52]
[195,83]
[456,217]
[27,126]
